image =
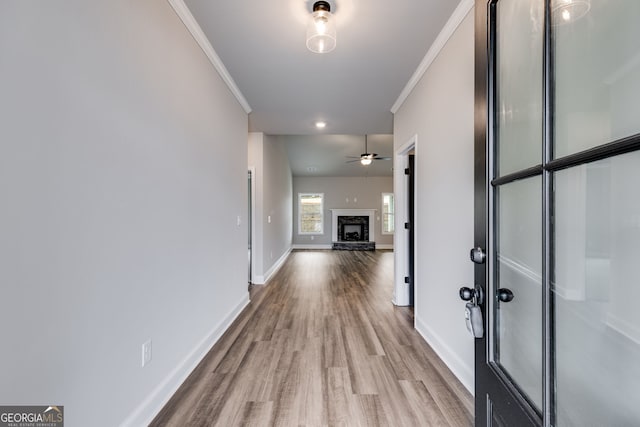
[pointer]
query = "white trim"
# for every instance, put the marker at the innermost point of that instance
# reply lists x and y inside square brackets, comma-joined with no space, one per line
[401,289]
[464,7]
[261,280]
[384,246]
[325,247]
[382,230]
[461,370]
[158,398]
[312,247]
[252,221]
[194,28]
[311,233]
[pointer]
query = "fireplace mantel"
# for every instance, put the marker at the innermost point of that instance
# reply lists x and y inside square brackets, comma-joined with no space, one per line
[335,213]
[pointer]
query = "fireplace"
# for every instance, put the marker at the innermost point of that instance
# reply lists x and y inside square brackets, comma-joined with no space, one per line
[353,229]
[352,233]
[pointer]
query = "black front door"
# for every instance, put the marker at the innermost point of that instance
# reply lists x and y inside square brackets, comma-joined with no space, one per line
[509,200]
[557,212]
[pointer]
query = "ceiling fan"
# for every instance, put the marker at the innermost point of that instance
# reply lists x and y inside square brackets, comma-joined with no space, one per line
[366,158]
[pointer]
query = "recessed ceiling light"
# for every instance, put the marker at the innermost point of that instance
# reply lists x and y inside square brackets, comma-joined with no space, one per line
[321,125]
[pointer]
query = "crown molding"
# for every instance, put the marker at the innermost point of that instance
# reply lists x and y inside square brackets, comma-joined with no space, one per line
[192,25]
[464,7]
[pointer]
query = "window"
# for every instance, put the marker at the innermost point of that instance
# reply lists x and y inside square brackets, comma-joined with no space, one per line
[310,213]
[388,211]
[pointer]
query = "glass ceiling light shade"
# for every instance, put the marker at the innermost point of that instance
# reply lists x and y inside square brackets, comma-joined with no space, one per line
[321,31]
[366,161]
[565,11]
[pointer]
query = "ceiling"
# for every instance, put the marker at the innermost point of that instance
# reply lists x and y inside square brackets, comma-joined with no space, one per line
[288,88]
[320,155]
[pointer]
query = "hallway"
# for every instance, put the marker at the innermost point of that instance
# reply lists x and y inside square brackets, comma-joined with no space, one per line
[322,344]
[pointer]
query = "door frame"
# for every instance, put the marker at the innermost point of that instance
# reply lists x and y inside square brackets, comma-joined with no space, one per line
[252,222]
[401,296]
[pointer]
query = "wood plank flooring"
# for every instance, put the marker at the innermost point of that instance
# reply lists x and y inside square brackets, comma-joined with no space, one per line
[322,345]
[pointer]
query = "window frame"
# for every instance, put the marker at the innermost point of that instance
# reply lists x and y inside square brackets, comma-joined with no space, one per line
[392,214]
[310,233]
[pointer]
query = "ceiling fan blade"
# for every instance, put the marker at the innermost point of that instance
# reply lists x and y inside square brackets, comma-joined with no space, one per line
[381,158]
[353,161]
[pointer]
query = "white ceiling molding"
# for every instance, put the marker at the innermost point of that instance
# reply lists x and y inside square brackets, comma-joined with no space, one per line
[192,25]
[464,7]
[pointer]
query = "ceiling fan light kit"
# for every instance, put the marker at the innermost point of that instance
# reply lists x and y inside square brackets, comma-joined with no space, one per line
[367,158]
[321,30]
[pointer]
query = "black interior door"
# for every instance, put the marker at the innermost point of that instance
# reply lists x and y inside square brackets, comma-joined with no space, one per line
[410,225]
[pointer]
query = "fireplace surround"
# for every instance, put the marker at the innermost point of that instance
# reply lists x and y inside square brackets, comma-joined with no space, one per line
[353,229]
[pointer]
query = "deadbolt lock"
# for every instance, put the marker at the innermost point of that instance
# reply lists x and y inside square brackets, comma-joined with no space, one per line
[477,255]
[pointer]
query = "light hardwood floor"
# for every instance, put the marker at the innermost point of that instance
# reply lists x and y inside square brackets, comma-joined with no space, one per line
[322,344]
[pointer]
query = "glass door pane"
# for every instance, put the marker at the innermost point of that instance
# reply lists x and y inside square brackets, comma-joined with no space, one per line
[519,269]
[596,48]
[518,69]
[518,83]
[597,292]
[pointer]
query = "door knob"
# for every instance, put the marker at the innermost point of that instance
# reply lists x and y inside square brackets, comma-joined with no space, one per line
[466,294]
[476,295]
[505,295]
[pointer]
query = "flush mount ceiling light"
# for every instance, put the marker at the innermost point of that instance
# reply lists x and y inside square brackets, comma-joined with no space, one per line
[565,11]
[321,125]
[321,31]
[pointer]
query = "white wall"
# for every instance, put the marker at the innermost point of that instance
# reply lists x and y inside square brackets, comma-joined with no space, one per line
[439,111]
[273,210]
[342,193]
[122,174]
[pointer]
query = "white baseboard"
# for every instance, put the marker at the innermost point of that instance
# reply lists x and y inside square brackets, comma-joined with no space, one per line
[460,369]
[324,247]
[262,279]
[158,398]
[317,247]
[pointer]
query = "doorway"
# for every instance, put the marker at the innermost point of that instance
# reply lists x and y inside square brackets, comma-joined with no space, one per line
[557,150]
[251,221]
[404,243]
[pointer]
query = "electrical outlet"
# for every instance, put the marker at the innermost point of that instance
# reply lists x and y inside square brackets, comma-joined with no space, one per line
[146,353]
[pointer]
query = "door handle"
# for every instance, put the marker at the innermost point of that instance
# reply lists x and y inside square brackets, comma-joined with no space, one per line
[505,295]
[466,294]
